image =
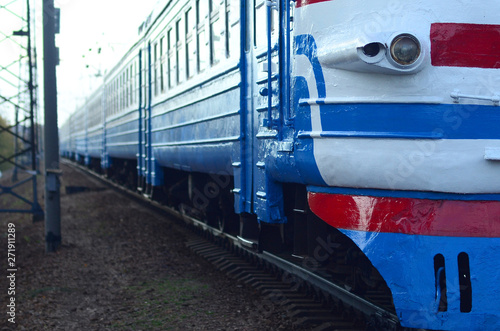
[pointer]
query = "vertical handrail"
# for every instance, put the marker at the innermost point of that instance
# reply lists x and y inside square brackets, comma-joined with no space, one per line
[285,65]
[269,68]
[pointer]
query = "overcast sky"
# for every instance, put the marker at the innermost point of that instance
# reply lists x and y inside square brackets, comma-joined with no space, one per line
[86,26]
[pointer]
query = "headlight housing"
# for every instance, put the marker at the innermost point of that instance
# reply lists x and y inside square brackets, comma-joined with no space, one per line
[405,49]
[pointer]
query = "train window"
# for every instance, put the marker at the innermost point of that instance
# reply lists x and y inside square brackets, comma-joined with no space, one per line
[202,40]
[144,80]
[126,82]
[217,35]
[135,81]
[117,95]
[179,58]
[113,110]
[234,27]
[109,109]
[274,20]
[119,92]
[190,23]
[162,60]
[260,26]
[123,90]
[171,60]
[132,83]
[155,69]
[226,27]
[108,101]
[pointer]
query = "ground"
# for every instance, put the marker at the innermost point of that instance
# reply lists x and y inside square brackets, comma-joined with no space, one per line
[120,267]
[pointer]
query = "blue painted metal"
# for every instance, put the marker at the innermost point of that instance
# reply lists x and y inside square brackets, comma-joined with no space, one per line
[266,140]
[154,173]
[149,150]
[285,62]
[306,45]
[241,167]
[448,121]
[276,162]
[269,71]
[140,161]
[413,260]
[105,159]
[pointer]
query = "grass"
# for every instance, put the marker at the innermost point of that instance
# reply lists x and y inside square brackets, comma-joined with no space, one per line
[161,304]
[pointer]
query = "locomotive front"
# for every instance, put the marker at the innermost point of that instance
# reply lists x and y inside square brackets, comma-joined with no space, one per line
[397,104]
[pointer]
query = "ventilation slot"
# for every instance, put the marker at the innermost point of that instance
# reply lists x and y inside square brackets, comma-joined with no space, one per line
[440,274]
[465,285]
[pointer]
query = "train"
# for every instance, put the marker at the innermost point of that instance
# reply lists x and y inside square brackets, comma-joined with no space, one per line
[359,136]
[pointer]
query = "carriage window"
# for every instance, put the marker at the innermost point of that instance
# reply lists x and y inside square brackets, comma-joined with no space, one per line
[117,95]
[179,31]
[202,40]
[126,82]
[120,94]
[260,26]
[226,26]
[136,85]
[155,69]
[162,60]
[122,89]
[115,101]
[234,27]
[109,102]
[171,58]
[190,23]
[145,95]
[131,84]
[217,35]
[274,21]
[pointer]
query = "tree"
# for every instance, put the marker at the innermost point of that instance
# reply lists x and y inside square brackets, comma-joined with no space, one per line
[6,145]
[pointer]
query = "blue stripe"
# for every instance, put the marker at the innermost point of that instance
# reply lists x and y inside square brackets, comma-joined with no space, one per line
[404,194]
[449,121]
[357,134]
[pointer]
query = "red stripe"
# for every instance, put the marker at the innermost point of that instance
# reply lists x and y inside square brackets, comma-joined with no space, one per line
[408,216]
[465,45]
[301,3]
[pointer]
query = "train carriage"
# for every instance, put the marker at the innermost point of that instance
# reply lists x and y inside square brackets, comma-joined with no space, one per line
[370,126]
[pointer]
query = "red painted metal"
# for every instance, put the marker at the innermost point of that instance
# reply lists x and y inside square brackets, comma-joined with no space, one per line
[409,216]
[302,3]
[465,45]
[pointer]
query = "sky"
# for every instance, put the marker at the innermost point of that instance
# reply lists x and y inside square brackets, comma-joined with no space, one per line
[86,27]
[94,35]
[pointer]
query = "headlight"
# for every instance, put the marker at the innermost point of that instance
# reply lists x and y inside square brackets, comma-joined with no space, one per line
[405,49]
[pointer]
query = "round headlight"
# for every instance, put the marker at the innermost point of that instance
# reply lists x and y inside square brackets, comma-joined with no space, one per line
[405,49]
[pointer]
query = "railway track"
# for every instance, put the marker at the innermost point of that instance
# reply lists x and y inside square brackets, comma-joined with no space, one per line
[313,301]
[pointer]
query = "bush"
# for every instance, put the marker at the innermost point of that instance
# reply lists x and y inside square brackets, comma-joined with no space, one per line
[6,145]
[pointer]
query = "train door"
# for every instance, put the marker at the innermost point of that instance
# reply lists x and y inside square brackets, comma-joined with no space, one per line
[150,173]
[272,57]
[142,150]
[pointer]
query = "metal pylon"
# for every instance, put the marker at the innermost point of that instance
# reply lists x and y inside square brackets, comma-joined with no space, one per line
[18,108]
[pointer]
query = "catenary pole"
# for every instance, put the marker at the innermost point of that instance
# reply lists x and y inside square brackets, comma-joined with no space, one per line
[52,171]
